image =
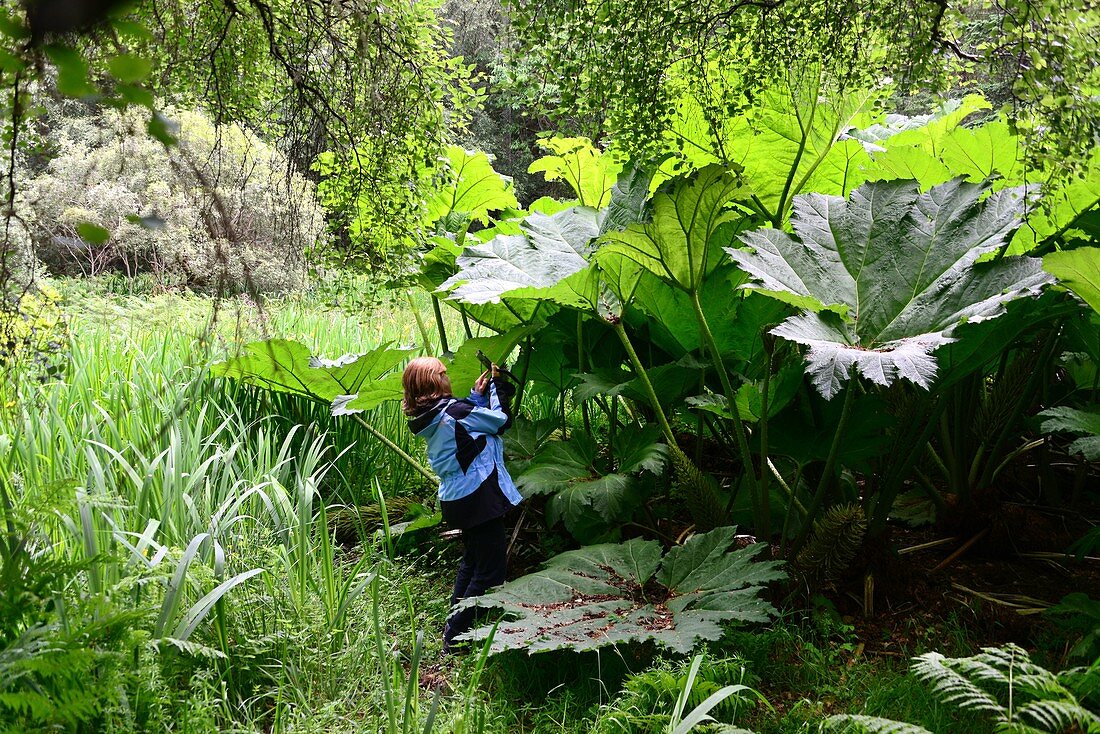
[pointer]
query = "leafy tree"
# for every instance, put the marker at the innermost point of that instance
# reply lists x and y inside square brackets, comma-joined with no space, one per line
[625,59]
[370,82]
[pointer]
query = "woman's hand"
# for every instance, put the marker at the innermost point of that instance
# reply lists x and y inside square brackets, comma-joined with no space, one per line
[482,383]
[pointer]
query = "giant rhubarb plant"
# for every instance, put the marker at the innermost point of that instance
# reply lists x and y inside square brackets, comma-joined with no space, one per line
[885,277]
[618,593]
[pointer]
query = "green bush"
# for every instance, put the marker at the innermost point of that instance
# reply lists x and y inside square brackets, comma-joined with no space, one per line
[221,211]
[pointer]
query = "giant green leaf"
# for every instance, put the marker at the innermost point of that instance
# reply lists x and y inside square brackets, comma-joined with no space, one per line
[282,365]
[681,244]
[550,249]
[899,269]
[589,495]
[1064,208]
[1078,270]
[439,264]
[690,140]
[676,381]
[737,319]
[464,368]
[619,593]
[470,188]
[629,202]
[794,138]
[1085,423]
[793,143]
[940,149]
[587,170]
[922,131]
[985,152]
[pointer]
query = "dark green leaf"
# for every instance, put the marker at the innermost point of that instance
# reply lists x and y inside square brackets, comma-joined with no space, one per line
[72,71]
[613,594]
[282,365]
[900,269]
[163,129]
[1081,422]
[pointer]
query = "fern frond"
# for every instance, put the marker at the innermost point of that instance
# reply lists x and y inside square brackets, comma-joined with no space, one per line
[1083,683]
[27,704]
[979,669]
[1057,716]
[1044,685]
[953,687]
[1011,657]
[858,724]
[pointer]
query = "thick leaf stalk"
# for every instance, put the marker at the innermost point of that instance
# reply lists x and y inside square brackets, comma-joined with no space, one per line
[647,385]
[420,468]
[827,475]
[700,491]
[761,510]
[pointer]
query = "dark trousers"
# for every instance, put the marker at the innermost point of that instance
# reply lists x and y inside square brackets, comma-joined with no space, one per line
[484,565]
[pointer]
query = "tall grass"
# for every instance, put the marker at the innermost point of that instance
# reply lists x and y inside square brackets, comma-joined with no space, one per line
[200,510]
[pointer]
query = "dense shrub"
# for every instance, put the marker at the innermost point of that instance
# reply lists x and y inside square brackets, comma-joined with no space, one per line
[220,211]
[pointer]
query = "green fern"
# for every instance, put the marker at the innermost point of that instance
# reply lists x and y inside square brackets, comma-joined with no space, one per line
[1059,716]
[1017,695]
[699,492]
[835,542]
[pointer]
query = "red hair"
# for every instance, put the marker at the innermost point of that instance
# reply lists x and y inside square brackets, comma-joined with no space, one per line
[425,381]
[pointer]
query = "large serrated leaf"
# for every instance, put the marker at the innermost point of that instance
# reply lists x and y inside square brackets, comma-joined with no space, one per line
[282,365]
[1078,270]
[1084,423]
[470,188]
[590,496]
[897,268]
[590,172]
[681,244]
[551,249]
[617,593]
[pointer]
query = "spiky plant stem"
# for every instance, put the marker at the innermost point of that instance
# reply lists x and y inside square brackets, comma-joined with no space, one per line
[420,468]
[701,496]
[827,476]
[761,511]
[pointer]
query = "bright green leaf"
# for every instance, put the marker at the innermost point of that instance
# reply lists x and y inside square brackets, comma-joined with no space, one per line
[92,233]
[470,188]
[1078,270]
[129,68]
[588,171]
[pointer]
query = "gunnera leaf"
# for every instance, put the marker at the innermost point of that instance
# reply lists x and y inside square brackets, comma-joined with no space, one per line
[885,277]
[612,594]
[470,188]
[587,496]
[550,249]
[1085,423]
[282,365]
[587,170]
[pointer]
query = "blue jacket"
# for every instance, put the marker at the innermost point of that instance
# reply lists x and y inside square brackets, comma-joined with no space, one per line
[466,451]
